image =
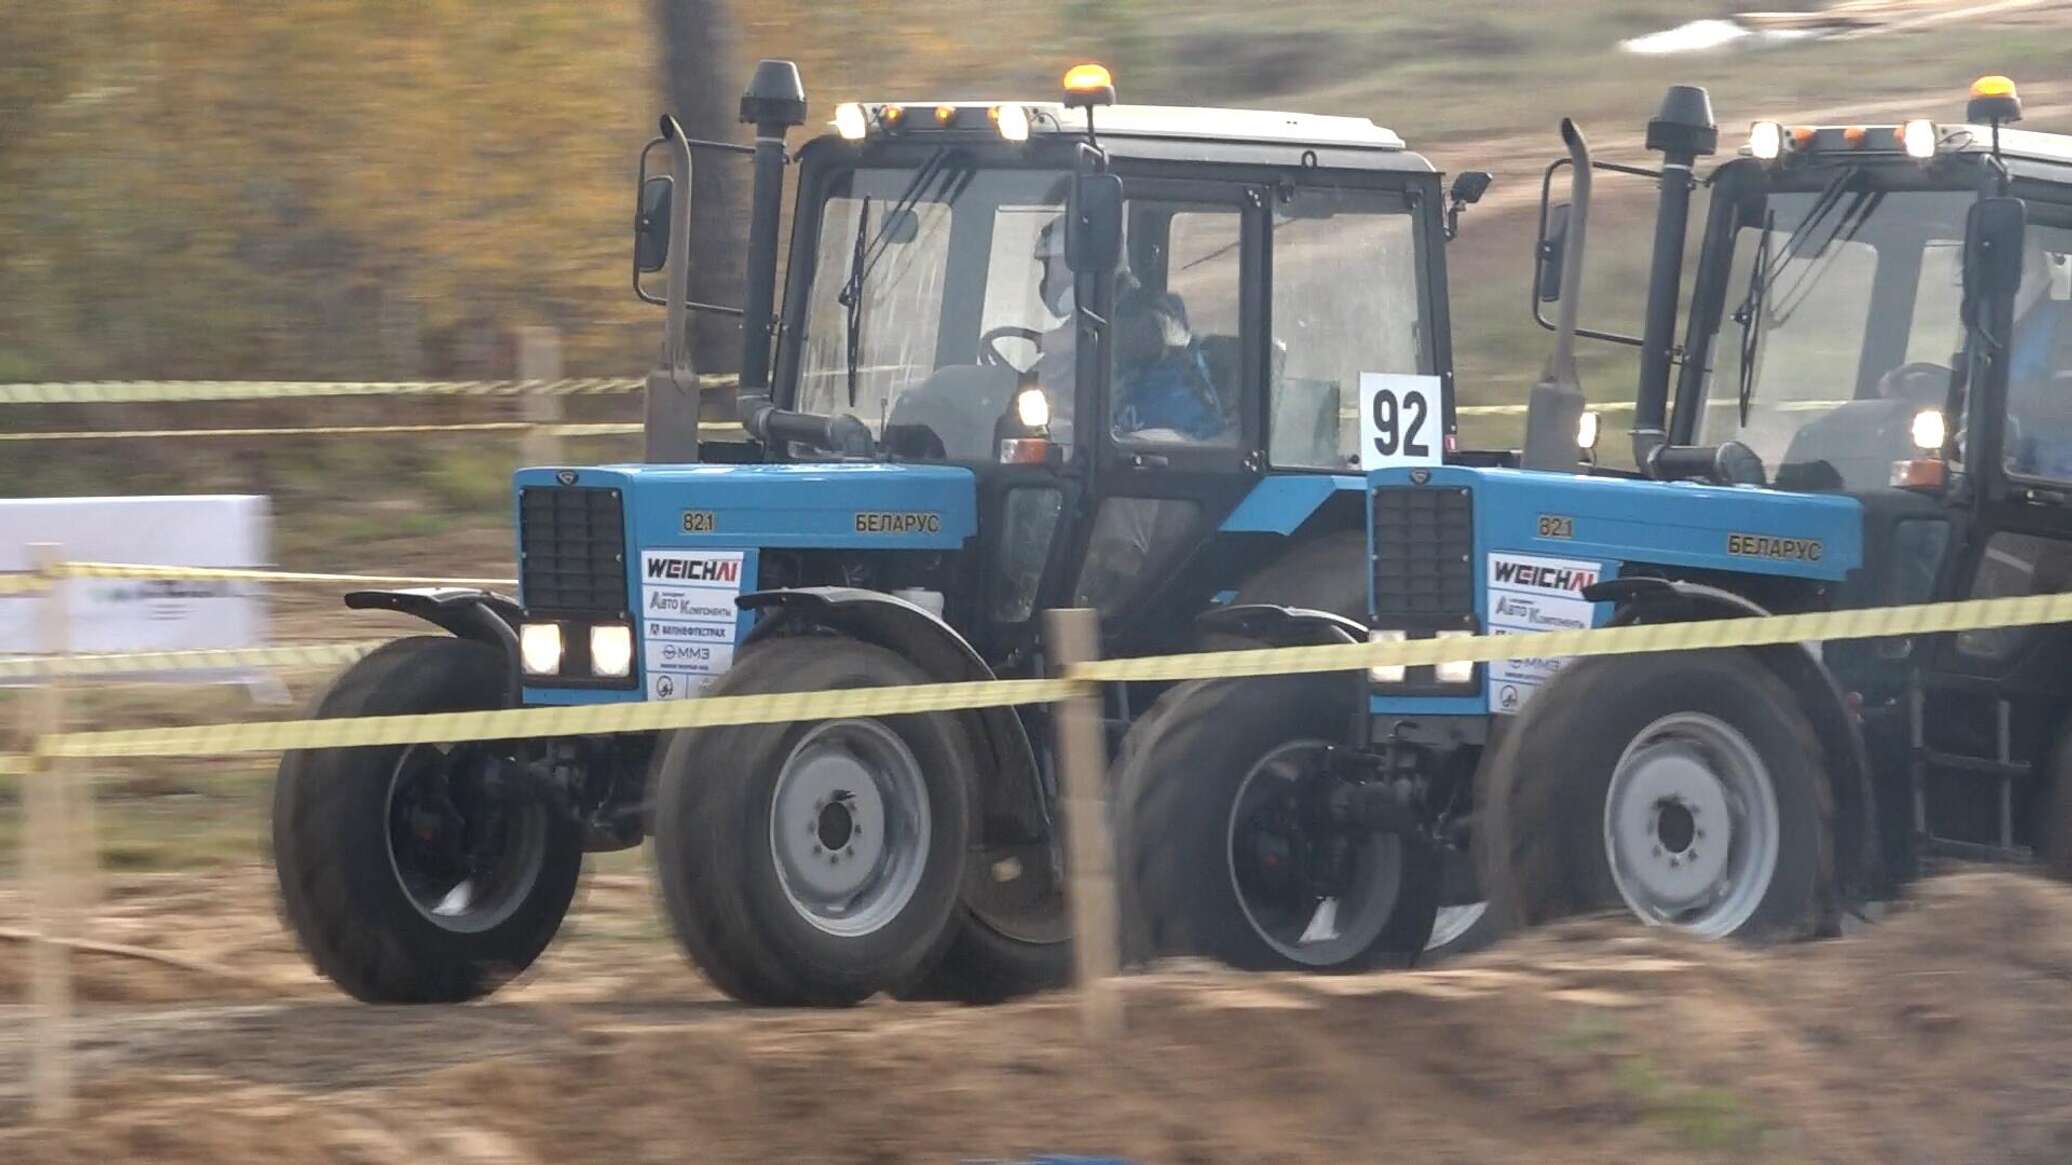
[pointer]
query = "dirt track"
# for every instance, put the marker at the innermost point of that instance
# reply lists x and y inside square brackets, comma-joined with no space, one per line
[1944,1034]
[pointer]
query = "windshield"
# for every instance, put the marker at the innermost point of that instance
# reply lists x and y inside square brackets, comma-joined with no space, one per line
[1841,325]
[936,291]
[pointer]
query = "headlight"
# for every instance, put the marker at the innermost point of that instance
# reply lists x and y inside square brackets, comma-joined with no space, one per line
[1033,408]
[1766,140]
[611,650]
[1012,121]
[1918,138]
[851,121]
[1928,430]
[1459,671]
[1587,427]
[539,648]
[1387,673]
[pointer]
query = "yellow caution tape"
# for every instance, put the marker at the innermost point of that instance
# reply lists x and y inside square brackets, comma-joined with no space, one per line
[141,570]
[209,659]
[165,391]
[1626,406]
[210,740]
[1869,623]
[16,765]
[588,720]
[23,584]
[593,429]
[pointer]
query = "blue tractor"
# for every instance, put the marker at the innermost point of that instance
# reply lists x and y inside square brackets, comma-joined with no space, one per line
[1026,355]
[1871,405]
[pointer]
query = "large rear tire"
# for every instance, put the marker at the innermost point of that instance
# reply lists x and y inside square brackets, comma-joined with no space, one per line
[1205,805]
[1687,788]
[813,863]
[415,873]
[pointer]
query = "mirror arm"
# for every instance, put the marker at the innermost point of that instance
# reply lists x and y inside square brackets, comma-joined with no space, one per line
[670,420]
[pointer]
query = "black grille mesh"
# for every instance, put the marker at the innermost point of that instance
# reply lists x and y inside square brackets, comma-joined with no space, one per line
[1424,544]
[572,549]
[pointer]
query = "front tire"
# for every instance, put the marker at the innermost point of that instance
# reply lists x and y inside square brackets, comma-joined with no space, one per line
[1210,817]
[813,863]
[414,873]
[1688,789]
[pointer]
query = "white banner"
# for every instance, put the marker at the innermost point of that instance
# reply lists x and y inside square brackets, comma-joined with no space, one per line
[123,615]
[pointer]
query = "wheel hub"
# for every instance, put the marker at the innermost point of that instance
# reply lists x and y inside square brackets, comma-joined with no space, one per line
[849,826]
[1690,825]
[1318,892]
[1674,821]
[463,853]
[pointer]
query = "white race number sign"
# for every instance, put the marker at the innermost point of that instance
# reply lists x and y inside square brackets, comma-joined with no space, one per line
[1400,421]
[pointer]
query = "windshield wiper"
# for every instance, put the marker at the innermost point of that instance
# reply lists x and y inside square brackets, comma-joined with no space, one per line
[851,297]
[1750,314]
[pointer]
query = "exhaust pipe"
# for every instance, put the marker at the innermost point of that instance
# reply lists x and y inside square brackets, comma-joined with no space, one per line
[1682,131]
[774,103]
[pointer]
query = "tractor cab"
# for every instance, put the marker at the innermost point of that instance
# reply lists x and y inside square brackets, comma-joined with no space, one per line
[1121,345]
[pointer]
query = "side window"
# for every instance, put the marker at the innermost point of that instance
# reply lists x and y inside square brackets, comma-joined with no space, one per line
[1937,330]
[2039,370]
[1345,301]
[1176,366]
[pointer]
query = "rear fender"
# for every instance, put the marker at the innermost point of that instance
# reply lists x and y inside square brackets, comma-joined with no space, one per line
[1656,600]
[1015,808]
[483,616]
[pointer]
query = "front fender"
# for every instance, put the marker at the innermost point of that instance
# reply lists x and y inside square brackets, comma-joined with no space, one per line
[466,612]
[1277,626]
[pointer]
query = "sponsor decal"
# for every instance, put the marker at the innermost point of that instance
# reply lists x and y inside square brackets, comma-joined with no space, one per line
[1557,526]
[689,623]
[1776,549]
[694,568]
[898,522]
[699,522]
[1529,594]
[1554,576]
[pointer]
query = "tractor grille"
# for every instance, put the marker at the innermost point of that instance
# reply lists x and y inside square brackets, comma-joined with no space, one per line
[1424,548]
[572,550]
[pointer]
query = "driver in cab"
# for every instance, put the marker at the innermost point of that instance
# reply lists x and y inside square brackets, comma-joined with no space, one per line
[2039,397]
[1163,388]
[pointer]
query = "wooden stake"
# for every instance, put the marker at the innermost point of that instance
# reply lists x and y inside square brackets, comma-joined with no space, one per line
[49,865]
[539,358]
[1074,637]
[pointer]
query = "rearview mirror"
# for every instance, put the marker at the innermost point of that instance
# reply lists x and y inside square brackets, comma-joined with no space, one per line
[1546,282]
[900,227]
[1992,252]
[651,225]
[1093,223]
[1469,187]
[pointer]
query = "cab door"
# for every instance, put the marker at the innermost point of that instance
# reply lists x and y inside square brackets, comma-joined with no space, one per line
[1176,424]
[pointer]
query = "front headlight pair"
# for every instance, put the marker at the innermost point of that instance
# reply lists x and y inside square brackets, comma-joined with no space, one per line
[1457,672]
[611,649]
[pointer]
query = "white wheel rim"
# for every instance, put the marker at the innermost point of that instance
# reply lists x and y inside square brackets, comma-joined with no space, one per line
[1691,827]
[1453,922]
[850,827]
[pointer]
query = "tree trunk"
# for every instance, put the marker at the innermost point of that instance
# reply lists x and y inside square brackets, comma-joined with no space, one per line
[701,85]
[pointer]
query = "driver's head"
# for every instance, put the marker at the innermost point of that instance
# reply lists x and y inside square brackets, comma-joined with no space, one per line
[1056,286]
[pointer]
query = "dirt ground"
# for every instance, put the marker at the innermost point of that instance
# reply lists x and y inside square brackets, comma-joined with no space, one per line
[1941,1034]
